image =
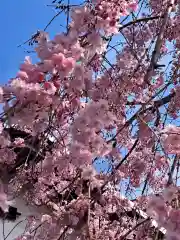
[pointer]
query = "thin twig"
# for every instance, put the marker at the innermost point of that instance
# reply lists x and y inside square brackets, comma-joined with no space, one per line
[121,162]
[14,228]
[34,36]
[49,23]
[159,41]
[143,110]
[128,154]
[63,233]
[170,179]
[3,229]
[136,226]
[67,23]
[146,19]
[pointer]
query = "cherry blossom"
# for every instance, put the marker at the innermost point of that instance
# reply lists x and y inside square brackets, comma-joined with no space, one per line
[90,131]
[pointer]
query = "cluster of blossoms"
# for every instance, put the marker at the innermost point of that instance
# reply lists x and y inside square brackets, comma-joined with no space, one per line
[75,107]
[171,138]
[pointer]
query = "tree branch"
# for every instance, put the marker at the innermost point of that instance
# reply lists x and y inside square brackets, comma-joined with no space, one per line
[159,41]
[128,154]
[146,19]
[134,228]
[142,110]
[170,179]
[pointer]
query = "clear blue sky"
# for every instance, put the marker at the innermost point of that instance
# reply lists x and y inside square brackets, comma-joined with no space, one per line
[19,19]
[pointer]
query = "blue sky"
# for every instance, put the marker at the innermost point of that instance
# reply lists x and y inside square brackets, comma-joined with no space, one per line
[19,20]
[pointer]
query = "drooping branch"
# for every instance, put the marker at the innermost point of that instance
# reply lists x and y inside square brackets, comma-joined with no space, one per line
[139,20]
[135,227]
[170,178]
[156,104]
[159,41]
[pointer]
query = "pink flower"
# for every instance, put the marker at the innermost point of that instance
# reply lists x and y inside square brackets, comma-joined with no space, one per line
[68,64]
[58,59]
[47,66]
[164,49]
[3,201]
[27,66]
[19,142]
[23,75]
[46,218]
[86,157]
[50,88]
[1,94]
[159,82]
[60,38]
[43,51]
[171,139]
[88,172]
[133,6]
[1,127]
[169,193]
